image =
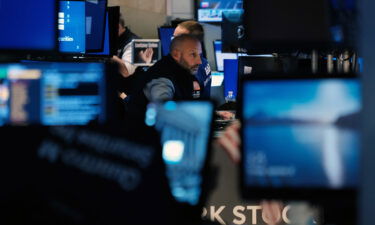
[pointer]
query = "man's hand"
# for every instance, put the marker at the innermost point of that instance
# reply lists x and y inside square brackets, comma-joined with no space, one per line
[226,115]
[146,55]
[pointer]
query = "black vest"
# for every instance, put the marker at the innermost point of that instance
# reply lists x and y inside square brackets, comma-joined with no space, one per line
[181,78]
[167,67]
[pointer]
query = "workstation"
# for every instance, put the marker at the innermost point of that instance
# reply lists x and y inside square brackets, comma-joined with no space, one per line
[186,112]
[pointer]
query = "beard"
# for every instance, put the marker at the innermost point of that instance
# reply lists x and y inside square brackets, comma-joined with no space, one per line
[192,69]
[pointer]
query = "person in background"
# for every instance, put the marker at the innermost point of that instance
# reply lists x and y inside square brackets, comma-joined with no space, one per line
[204,71]
[125,52]
[171,78]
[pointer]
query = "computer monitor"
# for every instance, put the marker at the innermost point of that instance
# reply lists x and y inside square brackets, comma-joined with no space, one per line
[217,78]
[230,77]
[28,26]
[221,56]
[52,93]
[253,64]
[186,145]
[72,27]
[110,35]
[211,10]
[145,52]
[165,36]
[106,41]
[293,25]
[95,25]
[232,31]
[300,136]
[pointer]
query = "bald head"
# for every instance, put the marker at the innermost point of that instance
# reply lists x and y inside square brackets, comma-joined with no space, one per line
[185,50]
[179,41]
[190,27]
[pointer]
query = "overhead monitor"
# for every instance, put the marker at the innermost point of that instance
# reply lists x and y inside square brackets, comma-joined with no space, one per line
[300,136]
[232,31]
[72,27]
[220,56]
[211,10]
[293,25]
[95,24]
[28,26]
[54,93]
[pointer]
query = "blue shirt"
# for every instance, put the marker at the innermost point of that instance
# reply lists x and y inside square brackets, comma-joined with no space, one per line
[204,78]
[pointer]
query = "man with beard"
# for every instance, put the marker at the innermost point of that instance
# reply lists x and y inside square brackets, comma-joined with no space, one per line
[204,71]
[171,78]
[174,75]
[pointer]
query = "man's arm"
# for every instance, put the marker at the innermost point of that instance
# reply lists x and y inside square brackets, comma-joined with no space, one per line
[160,89]
[121,66]
[127,59]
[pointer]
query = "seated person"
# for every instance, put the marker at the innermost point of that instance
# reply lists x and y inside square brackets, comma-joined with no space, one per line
[171,78]
[204,71]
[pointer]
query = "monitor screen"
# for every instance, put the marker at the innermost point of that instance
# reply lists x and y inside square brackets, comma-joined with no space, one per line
[293,25]
[185,145]
[106,44]
[301,134]
[145,52]
[211,10]
[232,32]
[230,77]
[217,78]
[95,24]
[221,56]
[72,27]
[52,93]
[28,25]
[165,36]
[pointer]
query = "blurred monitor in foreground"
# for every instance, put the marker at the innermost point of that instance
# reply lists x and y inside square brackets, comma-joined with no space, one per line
[52,93]
[185,130]
[301,136]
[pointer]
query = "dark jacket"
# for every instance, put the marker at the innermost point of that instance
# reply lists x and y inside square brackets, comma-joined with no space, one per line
[168,68]
[181,78]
